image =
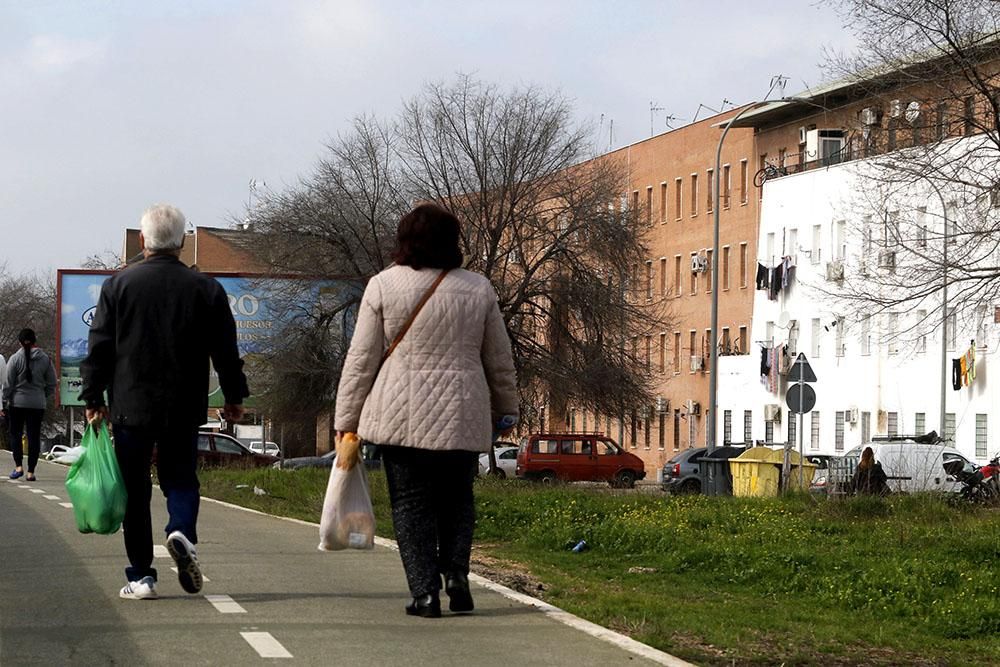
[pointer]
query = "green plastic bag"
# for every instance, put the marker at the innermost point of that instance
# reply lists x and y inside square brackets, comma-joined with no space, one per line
[95,484]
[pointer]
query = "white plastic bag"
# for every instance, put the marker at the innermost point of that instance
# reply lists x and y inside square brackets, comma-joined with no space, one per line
[348,521]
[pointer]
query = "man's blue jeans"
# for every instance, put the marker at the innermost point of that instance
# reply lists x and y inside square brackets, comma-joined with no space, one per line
[176,468]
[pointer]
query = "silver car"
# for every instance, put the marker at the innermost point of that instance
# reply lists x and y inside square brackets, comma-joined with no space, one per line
[506,462]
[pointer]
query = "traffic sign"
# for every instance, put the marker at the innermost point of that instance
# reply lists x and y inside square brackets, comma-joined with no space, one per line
[801,371]
[800,398]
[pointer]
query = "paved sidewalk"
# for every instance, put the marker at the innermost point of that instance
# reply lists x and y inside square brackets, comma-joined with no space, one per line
[270,593]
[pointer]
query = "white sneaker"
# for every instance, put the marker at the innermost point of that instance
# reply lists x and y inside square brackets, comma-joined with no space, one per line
[144,589]
[188,570]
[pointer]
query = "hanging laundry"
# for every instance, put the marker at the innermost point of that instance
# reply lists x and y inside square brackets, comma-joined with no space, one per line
[963,371]
[762,276]
[969,363]
[775,286]
[765,366]
[956,374]
[787,267]
[773,375]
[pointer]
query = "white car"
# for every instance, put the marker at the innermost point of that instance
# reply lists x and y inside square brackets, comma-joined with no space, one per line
[269,448]
[506,462]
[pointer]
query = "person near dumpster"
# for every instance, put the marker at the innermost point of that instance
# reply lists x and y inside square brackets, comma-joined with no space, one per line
[869,478]
[428,390]
[29,383]
[157,325]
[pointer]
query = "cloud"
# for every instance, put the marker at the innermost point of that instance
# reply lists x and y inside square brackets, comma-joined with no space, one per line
[68,308]
[94,291]
[55,53]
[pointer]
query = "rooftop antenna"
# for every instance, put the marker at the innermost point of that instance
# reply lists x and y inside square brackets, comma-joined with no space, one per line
[653,108]
[667,120]
[611,133]
[698,111]
[778,81]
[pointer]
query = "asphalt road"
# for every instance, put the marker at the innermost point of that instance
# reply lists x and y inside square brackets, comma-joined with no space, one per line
[270,596]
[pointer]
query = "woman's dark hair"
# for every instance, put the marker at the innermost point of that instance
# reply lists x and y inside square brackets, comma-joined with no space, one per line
[867,459]
[26,337]
[427,236]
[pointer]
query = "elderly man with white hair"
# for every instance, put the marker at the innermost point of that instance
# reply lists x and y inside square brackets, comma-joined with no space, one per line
[157,325]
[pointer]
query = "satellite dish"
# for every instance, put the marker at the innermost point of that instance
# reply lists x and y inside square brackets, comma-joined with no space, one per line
[784,319]
[912,111]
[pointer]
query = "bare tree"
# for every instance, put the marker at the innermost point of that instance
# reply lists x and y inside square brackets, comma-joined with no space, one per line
[927,205]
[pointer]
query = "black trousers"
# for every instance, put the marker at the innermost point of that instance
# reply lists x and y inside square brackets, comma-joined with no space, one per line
[433,512]
[176,469]
[25,421]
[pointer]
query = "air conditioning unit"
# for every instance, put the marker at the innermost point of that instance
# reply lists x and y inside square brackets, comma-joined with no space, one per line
[851,416]
[772,413]
[693,407]
[824,144]
[802,134]
[699,263]
[697,363]
[662,405]
[887,259]
[869,116]
[895,108]
[835,270]
[912,112]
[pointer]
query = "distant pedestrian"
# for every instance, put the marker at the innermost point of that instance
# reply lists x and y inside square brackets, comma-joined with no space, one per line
[869,478]
[432,405]
[157,325]
[30,381]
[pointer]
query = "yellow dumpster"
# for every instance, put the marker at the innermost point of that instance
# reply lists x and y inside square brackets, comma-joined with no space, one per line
[757,472]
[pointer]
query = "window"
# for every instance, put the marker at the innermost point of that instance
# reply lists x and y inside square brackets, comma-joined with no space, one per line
[726,343]
[226,447]
[892,332]
[838,434]
[782,156]
[726,186]
[663,202]
[677,352]
[981,436]
[694,195]
[694,275]
[743,341]
[891,236]
[635,205]
[968,116]
[748,426]
[545,447]
[815,253]
[663,277]
[892,424]
[816,328]
[793,436]
[949,427]
[768,430]
[866,427]
[725,267]
[743,264]
[710,188]
[649,206]
[708,277]
[840,345]
[693,341]
[866,335]
[941,120]
[922,338]
[645,435]
[951,328]
[769,252]
[922,226]
[661,431]
[743,181]
[890,143]
[793,243]
[677,430]
[663,352]
[583,418]
[572,425]
[204,443]
[633,433]
[840,240]
[727,426]
[814,429]
[677,275]
[919,423]
[649,352]
[649,280]
[677,198]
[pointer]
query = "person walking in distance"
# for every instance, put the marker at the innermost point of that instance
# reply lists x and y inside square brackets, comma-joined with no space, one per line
[30,381]
[157,325]
[430,399]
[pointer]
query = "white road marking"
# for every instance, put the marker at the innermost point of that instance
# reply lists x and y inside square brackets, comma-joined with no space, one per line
[39,491]
[160,551]
[67,505]
[51,497]
[203,577]
[225,604]
[265,645]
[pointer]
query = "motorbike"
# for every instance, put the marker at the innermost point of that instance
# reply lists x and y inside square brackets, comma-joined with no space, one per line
[979,483]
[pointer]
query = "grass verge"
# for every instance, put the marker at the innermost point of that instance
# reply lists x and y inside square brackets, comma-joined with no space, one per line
[907,580]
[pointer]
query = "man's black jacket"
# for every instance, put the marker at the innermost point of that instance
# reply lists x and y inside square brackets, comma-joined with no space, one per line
[157,325]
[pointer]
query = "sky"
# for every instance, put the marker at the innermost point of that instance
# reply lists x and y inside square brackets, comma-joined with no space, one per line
[109,106]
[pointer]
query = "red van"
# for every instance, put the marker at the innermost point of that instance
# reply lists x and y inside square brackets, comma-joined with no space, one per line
[577,457]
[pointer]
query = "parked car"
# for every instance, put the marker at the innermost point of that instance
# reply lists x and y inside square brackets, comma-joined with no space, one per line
[219,449]
[506,461]
[368,453]
[681,474]
[270,448]
[573,457]
[821,476]
[911,465]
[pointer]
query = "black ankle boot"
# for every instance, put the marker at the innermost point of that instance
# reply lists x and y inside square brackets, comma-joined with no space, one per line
[456,584]
[427,606]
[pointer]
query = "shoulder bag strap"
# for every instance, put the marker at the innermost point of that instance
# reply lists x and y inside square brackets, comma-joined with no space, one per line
[413,316]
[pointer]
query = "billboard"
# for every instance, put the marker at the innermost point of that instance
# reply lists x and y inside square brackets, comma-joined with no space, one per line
[261,308]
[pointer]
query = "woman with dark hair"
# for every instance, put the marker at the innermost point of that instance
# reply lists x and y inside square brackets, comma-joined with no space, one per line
[31,379]
[428,375]
[869,478]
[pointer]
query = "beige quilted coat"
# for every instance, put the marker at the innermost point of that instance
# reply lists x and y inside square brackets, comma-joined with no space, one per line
[449,378]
